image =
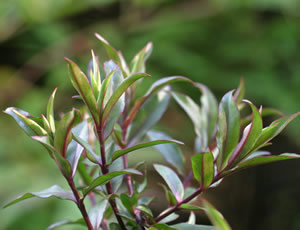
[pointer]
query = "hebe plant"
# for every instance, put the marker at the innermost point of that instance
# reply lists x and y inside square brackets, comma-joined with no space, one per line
[94,142]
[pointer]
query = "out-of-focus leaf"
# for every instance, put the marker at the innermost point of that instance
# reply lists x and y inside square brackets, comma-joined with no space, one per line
[63,135]
[104,89]
[189,207]
[116,182]
[83,87]
[102,180]
[192,218]
[50,111]
[66,222]
[228,128]
[215,217]
[94,73]
[74,149]
[240,92]
[203,168]
[129,202]
[250,136]
[170,152]
[156,86]
[53,191]
[63,165]
[273,130]
[146,210]
[169,218]
[30,127]
[96,213]
[169,196]
[172,180]
[185,226]
[119,92]
[138,62]
[191,108]
[122,152]
[149,114]
[161,227]
[259,160]
[114,226]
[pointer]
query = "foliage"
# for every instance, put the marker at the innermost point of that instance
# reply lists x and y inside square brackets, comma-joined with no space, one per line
[92,141]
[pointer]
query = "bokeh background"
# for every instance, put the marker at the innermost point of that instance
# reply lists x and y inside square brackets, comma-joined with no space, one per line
[215,42]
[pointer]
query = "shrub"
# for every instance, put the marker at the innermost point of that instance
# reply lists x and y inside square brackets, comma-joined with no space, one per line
[94,141]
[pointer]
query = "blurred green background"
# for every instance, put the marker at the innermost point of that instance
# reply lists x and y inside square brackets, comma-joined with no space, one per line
[215,42]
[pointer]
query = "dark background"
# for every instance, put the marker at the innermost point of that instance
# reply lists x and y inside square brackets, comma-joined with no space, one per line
[214,42]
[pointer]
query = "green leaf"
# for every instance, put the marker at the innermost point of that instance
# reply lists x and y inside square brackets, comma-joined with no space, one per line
[240,92]
[215,217]
[146,210]
[189,207]
[50,111]
[208,114]
[74,149]
[172,180]
[250,136]
[102,180]
[170,152]
[30,127]
[83,87]
[203,168]
[63,165]
[259,160]
[192,218]
[191,108]
[114,226]
[63,135]
[185,226]
[273,130]
[119,92]
[95,76]
[53,191]
[156,86]
[97,212]
[149,114]
[91,155]
[161,227]
[138,62]
[228,129]
[129,202]
[169,196]
[122,152]
[173,216]
[46,125]
[66,222]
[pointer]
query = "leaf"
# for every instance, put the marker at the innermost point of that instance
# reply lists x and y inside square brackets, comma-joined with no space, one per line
[138,62]
[172,180]
[114,226]
[228,129]
[146,210]
[66,222]
[119,92]
[240,92]
[149,114]
[203,168]
[102,180]
[122,152]
[208,114]
[129,202]
[74,149]
[192,218]
[170,152]
[185,226]
[95,77]
[250,136]
[30,127]
[173,216]
[169,196]
[91,155]
[215,217]
[191,108]
[97,212]
[273,130]
[50,111]
[259,160]
[53,191]
[46,126]
[83,87]
[63,165]
[62,135]
[161,227]
[156,86]
[189,207]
